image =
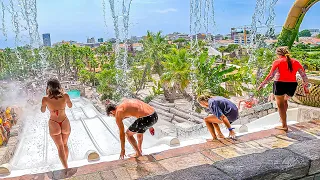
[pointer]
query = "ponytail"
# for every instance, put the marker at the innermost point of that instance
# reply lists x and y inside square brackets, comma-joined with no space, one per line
[289,62]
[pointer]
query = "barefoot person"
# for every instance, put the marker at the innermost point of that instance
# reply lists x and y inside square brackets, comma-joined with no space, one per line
[285,84]
[59,126]
[223,111]
[146,115]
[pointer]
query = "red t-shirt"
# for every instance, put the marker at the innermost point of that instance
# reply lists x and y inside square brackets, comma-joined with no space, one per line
[280,71]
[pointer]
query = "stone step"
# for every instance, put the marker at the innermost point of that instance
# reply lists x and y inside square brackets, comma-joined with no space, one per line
[163,104]
[181,120]
[159,106]
[164,113]
[196,120]
[164,130]
[164,118]
[201,116]
[185,115]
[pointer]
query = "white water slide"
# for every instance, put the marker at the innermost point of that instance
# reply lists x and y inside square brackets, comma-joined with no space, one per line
[90,131]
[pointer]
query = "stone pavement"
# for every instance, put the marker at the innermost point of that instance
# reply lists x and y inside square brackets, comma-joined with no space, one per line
[269,154]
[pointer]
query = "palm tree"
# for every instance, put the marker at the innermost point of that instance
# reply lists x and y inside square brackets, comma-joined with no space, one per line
[155,46]
[210,76]
[177,73]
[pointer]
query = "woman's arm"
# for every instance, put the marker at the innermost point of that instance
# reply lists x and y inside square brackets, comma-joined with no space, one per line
[304,78]
[272,73]
[68,101]
[303,75]
[43,105]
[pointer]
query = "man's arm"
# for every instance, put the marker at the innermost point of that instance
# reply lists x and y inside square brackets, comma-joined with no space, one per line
[43,105]
[119,118]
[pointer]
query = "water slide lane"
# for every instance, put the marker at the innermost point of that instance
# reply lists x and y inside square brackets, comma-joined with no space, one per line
[31,150]
[79,139]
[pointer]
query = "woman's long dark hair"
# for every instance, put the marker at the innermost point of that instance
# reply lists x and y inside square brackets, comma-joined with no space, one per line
[283,51]
[54,88]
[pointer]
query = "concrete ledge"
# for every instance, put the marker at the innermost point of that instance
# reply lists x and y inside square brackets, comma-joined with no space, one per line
[307,113]
[198,172]
[271,164]
[186,129]
[310,150]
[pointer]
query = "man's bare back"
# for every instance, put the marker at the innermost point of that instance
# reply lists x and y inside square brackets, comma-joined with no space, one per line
[134,108]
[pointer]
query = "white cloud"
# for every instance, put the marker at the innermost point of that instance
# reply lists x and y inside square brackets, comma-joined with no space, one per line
[165,11]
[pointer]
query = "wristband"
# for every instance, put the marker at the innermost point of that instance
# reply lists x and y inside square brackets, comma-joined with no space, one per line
[230,129]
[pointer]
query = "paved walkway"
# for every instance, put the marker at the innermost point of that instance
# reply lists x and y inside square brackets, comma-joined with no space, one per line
[191,156]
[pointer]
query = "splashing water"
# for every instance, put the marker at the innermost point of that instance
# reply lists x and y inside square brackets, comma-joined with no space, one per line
[263,16]
[121,36]
[23,15]
[104,14]
[201,17]
[4,32]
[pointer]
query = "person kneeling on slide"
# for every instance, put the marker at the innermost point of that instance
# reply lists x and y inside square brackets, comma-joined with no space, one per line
[223,111]
[146,115]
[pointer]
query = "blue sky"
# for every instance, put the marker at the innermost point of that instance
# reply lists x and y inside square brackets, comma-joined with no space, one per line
[78,19]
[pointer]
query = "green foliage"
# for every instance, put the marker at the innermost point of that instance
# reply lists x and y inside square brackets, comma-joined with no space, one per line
[310,60]
[177,69]
[171,62]
[305,33]
[148,99]
[157,89]
[210,76]
[19,63]
[107,82]
[136,74]
[179,40]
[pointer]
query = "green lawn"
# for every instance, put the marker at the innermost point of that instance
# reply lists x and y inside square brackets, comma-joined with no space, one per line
[313,52]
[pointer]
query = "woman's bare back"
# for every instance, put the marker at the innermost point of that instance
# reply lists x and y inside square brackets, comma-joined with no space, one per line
[57,106]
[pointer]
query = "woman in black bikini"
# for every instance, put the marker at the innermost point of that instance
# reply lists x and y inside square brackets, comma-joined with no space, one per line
[59,126]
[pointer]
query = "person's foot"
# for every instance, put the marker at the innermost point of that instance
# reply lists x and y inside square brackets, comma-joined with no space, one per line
[212,140]
[220,136]
[135,155]
[282,128]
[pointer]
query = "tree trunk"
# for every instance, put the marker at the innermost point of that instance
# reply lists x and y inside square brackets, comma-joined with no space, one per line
[59,75]
[170,93]
[142,82]
[76,74]
[186,95]
[94,75]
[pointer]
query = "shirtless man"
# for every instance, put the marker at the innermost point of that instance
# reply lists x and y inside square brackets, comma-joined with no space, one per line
[59,125]
[146,115]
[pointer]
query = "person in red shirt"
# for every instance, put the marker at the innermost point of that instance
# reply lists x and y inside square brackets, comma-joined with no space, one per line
[284,72]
